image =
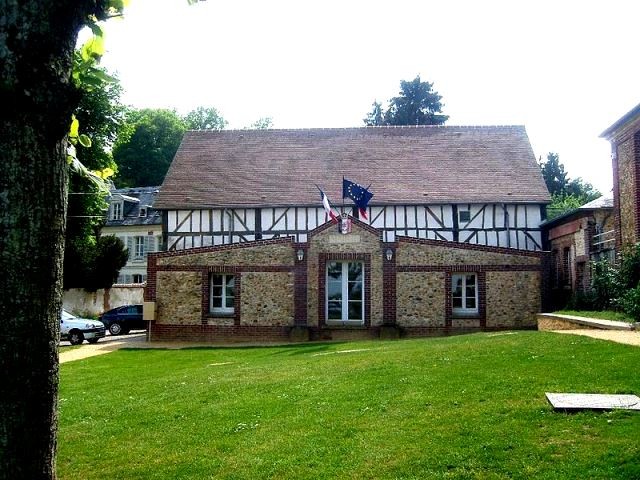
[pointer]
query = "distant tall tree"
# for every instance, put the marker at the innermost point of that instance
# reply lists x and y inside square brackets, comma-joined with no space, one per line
[263,123]
[554,175]
[146,146]
[205,118]
[566,195]
[417,104]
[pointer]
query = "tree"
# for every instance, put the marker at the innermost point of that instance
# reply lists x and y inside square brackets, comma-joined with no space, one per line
[205,119]
[417,104]
[101,115]
[566,195]
[146,146]
[38,97]
[553,174]
[263,123]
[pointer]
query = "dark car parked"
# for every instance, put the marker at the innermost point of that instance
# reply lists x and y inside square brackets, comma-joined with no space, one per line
[123,319]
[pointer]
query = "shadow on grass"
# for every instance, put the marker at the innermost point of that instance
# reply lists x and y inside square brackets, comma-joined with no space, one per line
[282,349]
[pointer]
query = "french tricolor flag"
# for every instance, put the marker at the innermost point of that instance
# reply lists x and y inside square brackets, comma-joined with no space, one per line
[327,206]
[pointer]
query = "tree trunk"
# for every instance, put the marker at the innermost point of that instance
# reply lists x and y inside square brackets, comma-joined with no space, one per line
[37,39]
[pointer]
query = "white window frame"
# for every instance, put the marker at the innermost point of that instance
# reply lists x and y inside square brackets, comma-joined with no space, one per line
[345,295]
[116,210]
[138,245]
[142,212]
[224,297]
[464,310]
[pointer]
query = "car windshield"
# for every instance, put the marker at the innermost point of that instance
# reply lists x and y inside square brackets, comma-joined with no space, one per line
[66,315]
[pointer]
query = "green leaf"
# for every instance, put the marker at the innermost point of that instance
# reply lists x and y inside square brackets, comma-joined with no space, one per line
[73,129]
[84,140]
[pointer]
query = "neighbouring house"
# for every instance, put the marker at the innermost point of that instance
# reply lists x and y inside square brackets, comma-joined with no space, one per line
[133,218]
[451,241]
[624,136]
[575,239]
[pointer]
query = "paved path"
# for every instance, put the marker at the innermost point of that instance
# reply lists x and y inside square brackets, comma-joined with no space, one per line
[628,337]
[104,345]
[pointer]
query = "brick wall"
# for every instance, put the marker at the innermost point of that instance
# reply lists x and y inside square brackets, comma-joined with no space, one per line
[277,292]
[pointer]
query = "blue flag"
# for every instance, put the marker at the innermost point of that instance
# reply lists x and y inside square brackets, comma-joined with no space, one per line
[360,195]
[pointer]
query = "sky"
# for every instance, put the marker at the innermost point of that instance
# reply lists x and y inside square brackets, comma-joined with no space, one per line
[566,70]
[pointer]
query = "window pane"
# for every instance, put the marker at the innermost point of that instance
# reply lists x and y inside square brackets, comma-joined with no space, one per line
[457,302]
[334,291]
[334,310]
[355,310]
[355,291]
[216,291]
[471,302]
[457,286]
[231,290]
[216,302]
[355,272]
[229,302]
[334,270]
[216,280]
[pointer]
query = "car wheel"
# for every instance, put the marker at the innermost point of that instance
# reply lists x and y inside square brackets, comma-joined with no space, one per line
[93,340]
[76,337]
[115,328]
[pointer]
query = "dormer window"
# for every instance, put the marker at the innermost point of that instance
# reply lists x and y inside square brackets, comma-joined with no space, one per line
[143,212]
[116,211]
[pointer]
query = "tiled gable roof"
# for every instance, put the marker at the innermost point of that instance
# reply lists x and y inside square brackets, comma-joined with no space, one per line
[404,165]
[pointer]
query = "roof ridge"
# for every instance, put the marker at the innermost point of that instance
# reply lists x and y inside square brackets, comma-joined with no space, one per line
[375,127]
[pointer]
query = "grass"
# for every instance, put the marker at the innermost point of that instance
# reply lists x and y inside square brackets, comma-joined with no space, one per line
[465,407]
[602,315]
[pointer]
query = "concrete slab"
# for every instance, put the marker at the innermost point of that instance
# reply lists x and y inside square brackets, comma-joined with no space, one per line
[592,401]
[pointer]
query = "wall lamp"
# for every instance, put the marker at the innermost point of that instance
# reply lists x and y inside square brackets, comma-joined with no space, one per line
[388,253]
[300,254]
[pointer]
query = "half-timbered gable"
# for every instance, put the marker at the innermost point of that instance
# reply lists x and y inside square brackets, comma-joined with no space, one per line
[477,185]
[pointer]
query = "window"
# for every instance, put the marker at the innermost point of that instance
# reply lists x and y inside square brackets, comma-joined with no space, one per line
[345,298]
[138,278]
[222,293]
[116,211]
[464,293]
[139,251]
[143,212]
[464,216]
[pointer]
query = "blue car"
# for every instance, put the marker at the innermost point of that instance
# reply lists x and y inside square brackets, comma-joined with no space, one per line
[121,320]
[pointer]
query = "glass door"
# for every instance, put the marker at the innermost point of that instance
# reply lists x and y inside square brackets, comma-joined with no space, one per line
[345,293]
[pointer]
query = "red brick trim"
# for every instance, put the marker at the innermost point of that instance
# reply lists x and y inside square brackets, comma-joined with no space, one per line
[469,268]
[468,246]
[221,248]
[323,258]
[389,284]
[300,285]
[218,333]
[636,180]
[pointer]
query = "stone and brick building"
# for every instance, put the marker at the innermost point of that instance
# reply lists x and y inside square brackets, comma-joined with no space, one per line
[451,241]
[624,136]
[575,239]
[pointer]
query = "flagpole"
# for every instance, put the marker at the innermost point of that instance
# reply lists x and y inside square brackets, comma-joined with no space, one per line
[342,194]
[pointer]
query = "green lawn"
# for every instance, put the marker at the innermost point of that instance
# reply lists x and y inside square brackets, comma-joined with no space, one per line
[460,407]
[602,315]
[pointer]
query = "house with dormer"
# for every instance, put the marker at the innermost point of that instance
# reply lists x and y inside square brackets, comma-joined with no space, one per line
[133,218]
[450,241]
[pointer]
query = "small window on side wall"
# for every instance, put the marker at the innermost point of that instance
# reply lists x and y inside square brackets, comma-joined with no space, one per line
[464,216]
[464,294]
[222,294]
